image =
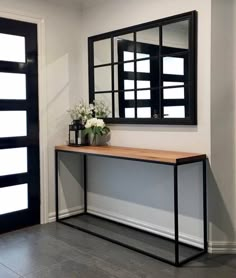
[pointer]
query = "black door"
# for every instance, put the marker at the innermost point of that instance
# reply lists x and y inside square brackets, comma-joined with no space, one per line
[147,80]
[141,93]
[19,126]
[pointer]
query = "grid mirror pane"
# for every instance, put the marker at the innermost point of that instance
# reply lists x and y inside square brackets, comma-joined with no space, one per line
[102,77]
[176,35]
[173,65]
[13,161]
[13,198]
[106,99]
[174,112]
[102,52]
[148,36]
[12,48]
[12,85]
[122,39]
[13,123]
[152,73]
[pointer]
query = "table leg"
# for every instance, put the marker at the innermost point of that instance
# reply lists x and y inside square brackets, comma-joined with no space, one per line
[85,183]
[56,186]
[204,204]
[176,215]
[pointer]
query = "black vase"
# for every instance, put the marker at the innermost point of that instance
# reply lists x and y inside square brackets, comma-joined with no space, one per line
[77,135]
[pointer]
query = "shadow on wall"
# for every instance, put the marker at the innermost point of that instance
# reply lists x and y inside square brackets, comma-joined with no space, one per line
[147,184]
[218,215]
[70,180]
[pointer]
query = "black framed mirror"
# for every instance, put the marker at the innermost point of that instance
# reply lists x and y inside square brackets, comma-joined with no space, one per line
[147,74]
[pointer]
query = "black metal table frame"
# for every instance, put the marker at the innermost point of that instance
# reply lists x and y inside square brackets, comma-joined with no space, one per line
[176,241]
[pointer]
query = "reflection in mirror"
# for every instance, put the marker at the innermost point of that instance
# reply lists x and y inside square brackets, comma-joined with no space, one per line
[116,97]
[102,52]
[129,112]
[173,93]
[174,112]
[130,50]
[144,112]
[152,74]
[148,36]
[173,65]
[144,94]
[129,95]
[102,77]
[106,98]
[176,35]
[129,67]
[143,66]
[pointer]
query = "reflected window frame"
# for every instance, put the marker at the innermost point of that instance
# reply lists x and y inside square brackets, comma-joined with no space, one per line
[191,84]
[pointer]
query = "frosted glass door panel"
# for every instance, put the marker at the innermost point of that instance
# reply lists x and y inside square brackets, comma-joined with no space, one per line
[129,67]
[173,93]
[13,123]
[128,55]
[129,84]
[129,112]
[12,48]
[173,65]
[174,112]
[13,161]
[141,84]
[143,66]
[12,85]
[129,95]
[172,83]
[144,112]
[13,198]
[144,94]
[142,56]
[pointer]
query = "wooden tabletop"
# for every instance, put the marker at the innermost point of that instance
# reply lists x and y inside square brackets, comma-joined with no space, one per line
[161,156]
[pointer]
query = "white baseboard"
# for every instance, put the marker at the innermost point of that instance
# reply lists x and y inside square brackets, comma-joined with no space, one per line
[221,247]
[158,230]
[215,247]
[65,213]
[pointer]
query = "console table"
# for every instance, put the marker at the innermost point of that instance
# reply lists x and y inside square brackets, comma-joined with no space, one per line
[171,158]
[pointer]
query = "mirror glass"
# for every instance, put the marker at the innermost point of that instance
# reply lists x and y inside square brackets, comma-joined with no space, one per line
[102,77]
[105,98]
[148,36]
[176,36]
[102,52]
[149,74]
[124,39]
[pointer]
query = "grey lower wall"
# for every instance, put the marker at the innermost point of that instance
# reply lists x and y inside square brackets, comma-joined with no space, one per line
[136,193]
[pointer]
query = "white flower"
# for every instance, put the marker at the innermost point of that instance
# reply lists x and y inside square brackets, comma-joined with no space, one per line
[100,123]
[88,124]
[94,122]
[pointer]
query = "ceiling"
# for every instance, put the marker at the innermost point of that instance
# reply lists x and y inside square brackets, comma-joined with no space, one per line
[78,3]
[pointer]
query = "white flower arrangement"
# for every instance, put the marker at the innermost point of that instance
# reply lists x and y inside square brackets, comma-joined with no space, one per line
[94,127]
[85,112]
[89,116]
[81,112]
[101,110]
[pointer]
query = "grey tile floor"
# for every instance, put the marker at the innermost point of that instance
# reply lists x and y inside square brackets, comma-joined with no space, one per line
[58,251]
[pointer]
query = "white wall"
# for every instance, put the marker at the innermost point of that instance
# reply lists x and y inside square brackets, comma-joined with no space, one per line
[128,194]
[61,70]
[222,193]
[112,15]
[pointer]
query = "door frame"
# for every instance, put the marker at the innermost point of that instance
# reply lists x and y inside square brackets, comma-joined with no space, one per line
[42,100]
